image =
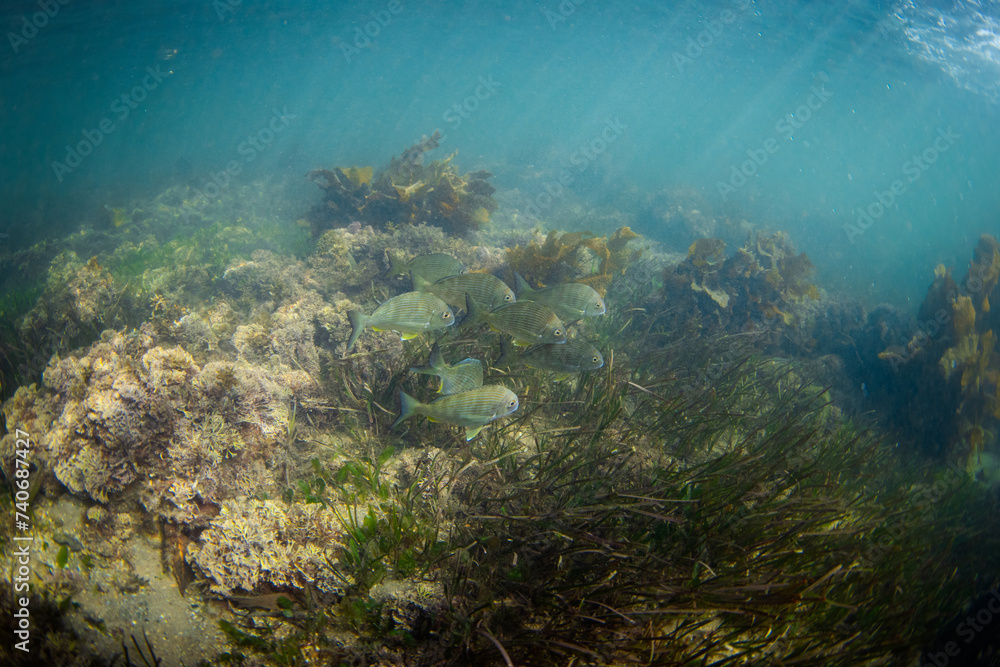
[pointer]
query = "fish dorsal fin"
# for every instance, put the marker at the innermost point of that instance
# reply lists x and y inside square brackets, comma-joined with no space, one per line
[420,283]
[396,265]
[523,288]
[436,360]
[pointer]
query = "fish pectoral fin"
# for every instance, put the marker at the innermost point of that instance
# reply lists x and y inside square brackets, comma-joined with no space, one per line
[559,377]
[431,419]
[404,336]
[472,431]
[522,343]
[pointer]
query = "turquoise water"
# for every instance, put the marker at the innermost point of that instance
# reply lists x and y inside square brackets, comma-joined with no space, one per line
[692,86]
[752,445]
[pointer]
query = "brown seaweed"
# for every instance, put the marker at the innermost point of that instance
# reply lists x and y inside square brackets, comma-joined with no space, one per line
[407,191]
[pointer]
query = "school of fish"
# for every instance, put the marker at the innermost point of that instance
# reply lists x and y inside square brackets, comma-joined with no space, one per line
[534,319]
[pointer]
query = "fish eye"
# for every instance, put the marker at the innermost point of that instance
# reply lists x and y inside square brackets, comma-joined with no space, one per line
[512,404]
[447,315]
[506,297]
[558,332]
[594,359]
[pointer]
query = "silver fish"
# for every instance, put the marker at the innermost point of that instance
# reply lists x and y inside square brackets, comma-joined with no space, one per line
[570,301]
[430,267]
[529,323]
[489,291]
[462,376]
[409,314]
[563,359]
[472,409]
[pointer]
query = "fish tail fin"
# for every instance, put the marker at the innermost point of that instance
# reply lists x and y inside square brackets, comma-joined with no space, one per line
[407,408]
[507,355]
[434,363]
[358,321]
[396,265]
[473,313]
[521,285]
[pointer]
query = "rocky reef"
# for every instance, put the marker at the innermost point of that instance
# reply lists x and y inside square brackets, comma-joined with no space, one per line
[766,286]
[681,214]
[127,419]
[407,191]
[197,431]
[951,362]
[582,257]
[255,545]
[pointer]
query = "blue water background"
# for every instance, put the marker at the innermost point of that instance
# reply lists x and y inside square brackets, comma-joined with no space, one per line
[892,76]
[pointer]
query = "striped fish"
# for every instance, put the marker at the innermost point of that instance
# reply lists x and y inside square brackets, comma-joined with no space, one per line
[489,291]
[409,314]
[527,322]
[432,267]
[466,374]
[472,409]
[563,359]
[570,301]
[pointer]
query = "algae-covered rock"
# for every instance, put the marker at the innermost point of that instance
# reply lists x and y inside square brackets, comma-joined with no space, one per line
[575,256]
[410,607]
[256,544]
[126,410]
[950,364]
[406,192]
[347,259]
[170,370]
[80,299]
[764,285]
[293,330]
